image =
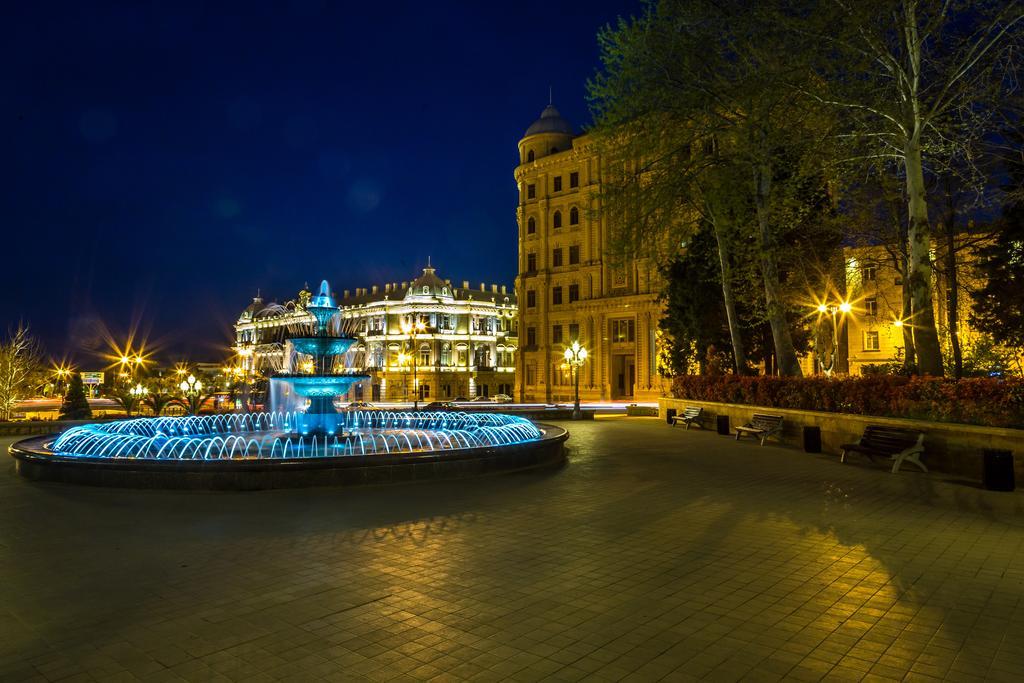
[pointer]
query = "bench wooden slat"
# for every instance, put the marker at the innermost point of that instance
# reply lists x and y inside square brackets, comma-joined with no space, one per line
[760,425]
[690,415]
[896,443]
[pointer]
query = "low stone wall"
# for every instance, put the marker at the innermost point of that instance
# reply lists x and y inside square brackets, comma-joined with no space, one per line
[949,447]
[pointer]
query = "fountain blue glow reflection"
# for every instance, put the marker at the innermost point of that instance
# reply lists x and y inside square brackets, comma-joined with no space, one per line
[272,435]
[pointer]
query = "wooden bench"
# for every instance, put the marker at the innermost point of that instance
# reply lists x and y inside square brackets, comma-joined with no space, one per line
[691,415]
[891,442]
[761,427]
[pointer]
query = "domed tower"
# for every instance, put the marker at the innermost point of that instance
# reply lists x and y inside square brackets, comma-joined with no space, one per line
[549,134]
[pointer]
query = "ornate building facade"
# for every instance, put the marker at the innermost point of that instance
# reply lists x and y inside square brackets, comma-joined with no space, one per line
[425,336]
[568,288]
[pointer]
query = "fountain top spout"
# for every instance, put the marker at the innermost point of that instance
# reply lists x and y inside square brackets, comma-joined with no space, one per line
[323,309]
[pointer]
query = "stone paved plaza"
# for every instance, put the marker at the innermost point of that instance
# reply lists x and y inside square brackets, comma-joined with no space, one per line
[655,554]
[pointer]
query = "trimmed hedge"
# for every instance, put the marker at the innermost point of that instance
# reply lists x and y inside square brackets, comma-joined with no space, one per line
[987,402]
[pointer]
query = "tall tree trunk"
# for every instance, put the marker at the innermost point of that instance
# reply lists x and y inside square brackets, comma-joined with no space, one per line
[738,354]
[785,353]
[953,300]
[919,275]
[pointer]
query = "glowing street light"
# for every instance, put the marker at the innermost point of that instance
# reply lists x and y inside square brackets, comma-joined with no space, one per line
[413,330]
[833,310]
[576,356]
[192,388]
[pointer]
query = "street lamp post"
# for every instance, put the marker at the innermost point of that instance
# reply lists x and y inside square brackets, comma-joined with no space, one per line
[413,330]
[403,362]
[833,309]
[192,389]
[576,356]
[137,393]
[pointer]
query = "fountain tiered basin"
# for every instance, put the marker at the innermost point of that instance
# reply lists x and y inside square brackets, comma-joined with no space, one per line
[263,450]
[303,441]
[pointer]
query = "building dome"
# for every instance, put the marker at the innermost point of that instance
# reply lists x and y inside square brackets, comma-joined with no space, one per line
[252,309]
[550,121]
[430,285]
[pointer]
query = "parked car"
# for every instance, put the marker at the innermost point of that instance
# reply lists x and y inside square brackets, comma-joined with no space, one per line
[502,398]
[483,399]
[459,399]
[359,405]
[440,405]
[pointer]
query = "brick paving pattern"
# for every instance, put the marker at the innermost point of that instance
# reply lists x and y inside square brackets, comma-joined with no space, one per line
[656,554]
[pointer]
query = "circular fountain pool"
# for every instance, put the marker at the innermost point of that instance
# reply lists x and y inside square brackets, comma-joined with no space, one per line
[266,450]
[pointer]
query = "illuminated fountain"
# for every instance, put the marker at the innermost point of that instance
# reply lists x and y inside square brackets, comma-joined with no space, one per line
[295,443]
[322,385]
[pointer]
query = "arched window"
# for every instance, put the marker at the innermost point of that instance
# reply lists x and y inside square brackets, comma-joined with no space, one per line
[425,354]
[445,291]
[574,216]
[446,355]
[426,289]
[531,226]
[556,219]
[529,155]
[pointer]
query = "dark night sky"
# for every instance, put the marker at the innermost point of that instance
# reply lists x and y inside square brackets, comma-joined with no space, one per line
[163,161]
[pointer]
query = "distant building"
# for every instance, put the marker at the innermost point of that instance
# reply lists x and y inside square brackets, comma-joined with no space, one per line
[875,326]
[568,287]
[466,348]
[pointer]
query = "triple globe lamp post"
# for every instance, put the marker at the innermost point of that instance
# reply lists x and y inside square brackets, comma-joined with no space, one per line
[575,357]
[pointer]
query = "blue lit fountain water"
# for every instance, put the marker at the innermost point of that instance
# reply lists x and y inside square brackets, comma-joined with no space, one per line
[322,385]
[292,430]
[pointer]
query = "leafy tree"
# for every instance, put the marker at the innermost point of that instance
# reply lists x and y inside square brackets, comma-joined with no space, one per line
[75,405]
[997,305]
[20,368]
[158,401]
[918,82]
[695,111]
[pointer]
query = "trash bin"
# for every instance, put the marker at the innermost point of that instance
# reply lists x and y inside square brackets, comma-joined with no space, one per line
[812,439]
[998,469]
[669,414]
[722,421]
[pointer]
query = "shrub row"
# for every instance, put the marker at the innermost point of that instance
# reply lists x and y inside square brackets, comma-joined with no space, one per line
[988,402]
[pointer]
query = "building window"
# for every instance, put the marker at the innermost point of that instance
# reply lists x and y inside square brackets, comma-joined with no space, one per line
[531,262]
[425,354]
[574,254]
[558,183]
[531,299]
[531,191]
[574,216]
[556,219]
[556,334]
[531,225]
[556,295]
[446,355]
[574,331]
[574,293]
[871,306]
[531,336]
[623,330]
[871,341]
[574,179]
[869,272]
[529,155]
[556,257]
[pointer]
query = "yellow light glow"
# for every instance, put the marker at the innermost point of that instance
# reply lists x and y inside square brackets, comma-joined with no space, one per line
[897,323]
[845,307]
[822,308]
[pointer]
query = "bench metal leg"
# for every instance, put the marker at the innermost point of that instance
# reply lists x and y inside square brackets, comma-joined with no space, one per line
[908,457]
